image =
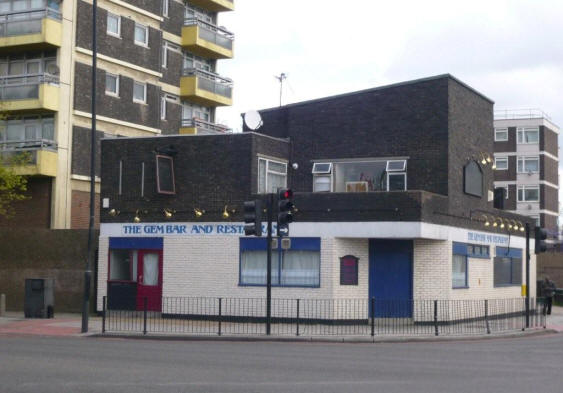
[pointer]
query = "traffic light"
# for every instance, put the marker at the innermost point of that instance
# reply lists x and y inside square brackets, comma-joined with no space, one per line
[540,244]
[253,218]
[285,216]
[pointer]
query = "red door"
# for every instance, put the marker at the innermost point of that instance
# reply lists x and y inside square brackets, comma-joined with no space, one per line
[149,279]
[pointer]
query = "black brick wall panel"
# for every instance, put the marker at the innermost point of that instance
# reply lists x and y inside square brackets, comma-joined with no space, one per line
[81,138]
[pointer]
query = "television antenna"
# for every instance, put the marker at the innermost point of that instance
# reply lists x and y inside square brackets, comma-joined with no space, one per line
[283,76]
[253,120]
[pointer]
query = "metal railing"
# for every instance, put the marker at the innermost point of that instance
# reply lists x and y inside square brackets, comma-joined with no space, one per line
[318,317]
[29,148]
[211,82]
[25,22]
[199,123]
[21,87]
[530,113]
[212,33]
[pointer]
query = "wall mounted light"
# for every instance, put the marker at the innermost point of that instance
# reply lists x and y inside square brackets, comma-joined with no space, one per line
[227,213]
[501,223]
[137,218]
[515,225]
[168,213]
[113,212]
[198,212]
[495,223]
[521,226]
[486,219]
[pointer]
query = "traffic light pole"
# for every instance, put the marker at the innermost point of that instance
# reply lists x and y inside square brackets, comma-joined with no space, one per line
[269,208]
[527,275]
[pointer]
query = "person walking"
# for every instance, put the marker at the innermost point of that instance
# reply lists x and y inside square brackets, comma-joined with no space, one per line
[548,290]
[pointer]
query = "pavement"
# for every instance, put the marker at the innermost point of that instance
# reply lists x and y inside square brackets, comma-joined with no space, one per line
[14,323]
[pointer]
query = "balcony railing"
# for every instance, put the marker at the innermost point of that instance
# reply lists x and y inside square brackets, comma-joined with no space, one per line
[204,125]
[21,87]
[9,149]
[212,33]
[211,82]
[25,22]
[529,113]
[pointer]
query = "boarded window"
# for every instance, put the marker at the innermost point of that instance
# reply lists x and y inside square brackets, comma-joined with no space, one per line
[165,175]
[473,179]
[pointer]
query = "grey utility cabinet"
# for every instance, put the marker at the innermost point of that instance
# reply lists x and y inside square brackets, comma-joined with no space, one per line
[39,298]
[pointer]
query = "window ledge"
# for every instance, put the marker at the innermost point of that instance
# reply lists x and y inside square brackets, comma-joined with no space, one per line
[460,287]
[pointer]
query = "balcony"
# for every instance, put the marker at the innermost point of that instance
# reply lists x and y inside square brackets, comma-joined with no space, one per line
[34,92]
[40,156]
[214,5]
[207,40]
[30,30]
[197,126]
[206,88]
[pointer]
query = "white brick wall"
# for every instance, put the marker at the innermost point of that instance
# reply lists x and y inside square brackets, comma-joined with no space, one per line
[103,247]
[432,269]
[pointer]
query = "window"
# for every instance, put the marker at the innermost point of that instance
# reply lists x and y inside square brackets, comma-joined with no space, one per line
[528,164]
[528,193]
[473,179]
[112,84]
[22,132]
[139,93]
[501,163]
[191,111]
[114,25]
[123,265]
[505,191]
[459,265]
[165,4]
[271,175]
[396,166]
[501,134]
[396,182]
[322,168]
[163,108]
[299,266]
[165,175]
[528,135]
[508,267]
[322,177]
[477,251]
[141,35]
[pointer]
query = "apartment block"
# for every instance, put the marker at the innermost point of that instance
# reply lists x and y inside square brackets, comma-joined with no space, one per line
[526,157]
[157,74]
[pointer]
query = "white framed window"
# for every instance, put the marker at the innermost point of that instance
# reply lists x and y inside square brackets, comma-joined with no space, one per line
[112,84]
[528,164]
[528,193]
[322,168]
[501,134]
[271,175]
[139,92]
[191,111]
[528,135]
[165,6]
[501,163]
[114,25]
[396,181]
[322,177]
[141,35]
[396,165]
[163,108]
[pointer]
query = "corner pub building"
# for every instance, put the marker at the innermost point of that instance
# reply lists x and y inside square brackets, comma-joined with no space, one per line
[393,194]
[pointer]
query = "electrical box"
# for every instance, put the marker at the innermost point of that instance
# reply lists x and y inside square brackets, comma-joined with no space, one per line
[39,298]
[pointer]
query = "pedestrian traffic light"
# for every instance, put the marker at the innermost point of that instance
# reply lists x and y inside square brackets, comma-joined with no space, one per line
[253,218]
[541,235]
[285,216]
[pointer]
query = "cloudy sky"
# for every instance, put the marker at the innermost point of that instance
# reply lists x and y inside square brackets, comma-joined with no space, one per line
[509,50]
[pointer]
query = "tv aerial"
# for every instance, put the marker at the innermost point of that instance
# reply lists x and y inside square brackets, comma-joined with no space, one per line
[253,120]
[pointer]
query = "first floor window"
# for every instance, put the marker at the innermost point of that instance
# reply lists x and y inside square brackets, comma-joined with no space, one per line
[141,35]
[114,24]
[528,194]
[112,84]
[163,108]
[508,267]
[528,164]
[139,92]
[271,175]
[298,266]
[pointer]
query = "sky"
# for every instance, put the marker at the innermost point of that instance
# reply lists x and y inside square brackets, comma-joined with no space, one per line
[509,50]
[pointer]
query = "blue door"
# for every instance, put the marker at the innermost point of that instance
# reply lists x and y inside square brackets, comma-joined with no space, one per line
[390,277]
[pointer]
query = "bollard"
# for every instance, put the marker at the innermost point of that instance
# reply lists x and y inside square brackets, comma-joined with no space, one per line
[2,305]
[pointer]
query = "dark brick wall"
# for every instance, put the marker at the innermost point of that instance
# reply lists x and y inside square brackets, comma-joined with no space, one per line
[510,173]
[171,125]
[510,203]
[509,145]
[119,48]
[549,169]
[470,122]
[173,24]
[548,221]
[551,264]
[173,71]
[549,198]
[548,140]
[210,172]
[80,210]
[34,212]
[122,107]
[402,120]
[58,254]
[153,6]
[81,151]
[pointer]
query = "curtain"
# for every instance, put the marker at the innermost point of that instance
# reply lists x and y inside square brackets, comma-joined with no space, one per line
[253,268]
[150,269]
[301,268]
[459,271]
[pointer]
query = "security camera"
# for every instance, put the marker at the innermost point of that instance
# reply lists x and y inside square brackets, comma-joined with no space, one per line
[295,166]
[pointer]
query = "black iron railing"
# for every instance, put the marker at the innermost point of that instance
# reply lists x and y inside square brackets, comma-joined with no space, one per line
[318,317]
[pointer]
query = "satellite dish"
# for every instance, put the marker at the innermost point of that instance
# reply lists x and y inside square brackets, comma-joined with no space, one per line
[253,120]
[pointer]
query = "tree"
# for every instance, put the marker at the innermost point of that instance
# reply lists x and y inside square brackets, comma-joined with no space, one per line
[12,185]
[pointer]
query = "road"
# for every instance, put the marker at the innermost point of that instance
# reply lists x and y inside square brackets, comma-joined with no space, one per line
[81,364]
